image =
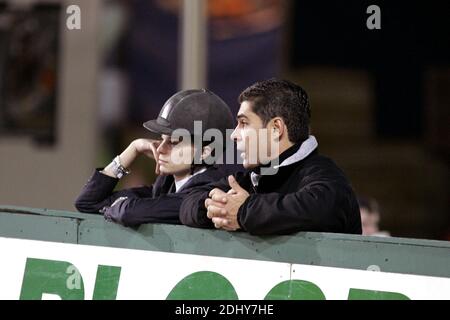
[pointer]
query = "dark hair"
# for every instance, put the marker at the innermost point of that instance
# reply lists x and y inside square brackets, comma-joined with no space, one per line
[281,98]
[197,162]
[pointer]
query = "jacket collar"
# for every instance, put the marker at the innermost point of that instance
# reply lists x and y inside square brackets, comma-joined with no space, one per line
[308,146]
[293,155]
[180,184]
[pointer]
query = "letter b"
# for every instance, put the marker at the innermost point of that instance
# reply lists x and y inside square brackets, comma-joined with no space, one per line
[59,278]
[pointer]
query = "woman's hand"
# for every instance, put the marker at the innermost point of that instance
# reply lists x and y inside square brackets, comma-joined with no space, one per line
[148,148]
[140,146]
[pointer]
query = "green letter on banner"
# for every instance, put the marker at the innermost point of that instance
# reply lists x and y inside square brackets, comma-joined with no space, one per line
[361,294]
[53,277]
[295,290]
[106,283]
[203,285]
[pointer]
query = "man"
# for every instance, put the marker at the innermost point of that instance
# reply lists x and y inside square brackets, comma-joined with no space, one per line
[284,191]
[183,166]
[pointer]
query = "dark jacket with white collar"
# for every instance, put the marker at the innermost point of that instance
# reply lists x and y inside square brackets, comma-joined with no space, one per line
[147,204]
[310,193]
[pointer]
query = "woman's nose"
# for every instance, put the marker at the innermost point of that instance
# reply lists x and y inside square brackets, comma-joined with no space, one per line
[162,148]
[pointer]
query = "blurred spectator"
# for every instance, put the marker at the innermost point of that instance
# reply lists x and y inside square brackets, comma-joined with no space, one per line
[370,217]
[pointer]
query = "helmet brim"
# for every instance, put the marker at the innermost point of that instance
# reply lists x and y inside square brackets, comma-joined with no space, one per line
[156,130]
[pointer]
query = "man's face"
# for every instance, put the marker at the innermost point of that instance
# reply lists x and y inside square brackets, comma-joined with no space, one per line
[252,138]
[175,155]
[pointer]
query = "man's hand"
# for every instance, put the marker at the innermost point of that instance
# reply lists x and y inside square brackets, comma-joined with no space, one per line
[149,148]
[222,208]
[215,206]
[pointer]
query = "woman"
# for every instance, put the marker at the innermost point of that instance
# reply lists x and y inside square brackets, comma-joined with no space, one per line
[182,165]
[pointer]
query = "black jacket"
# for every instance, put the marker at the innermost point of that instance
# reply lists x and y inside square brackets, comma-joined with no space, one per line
[135,206]
[310,195]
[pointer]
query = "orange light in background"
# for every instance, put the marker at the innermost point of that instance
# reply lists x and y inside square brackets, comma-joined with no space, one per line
[232,8]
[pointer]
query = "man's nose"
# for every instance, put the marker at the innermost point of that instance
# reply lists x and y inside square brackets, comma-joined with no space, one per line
[235,135]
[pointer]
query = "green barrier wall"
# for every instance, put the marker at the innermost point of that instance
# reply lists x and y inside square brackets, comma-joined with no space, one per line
[408,256]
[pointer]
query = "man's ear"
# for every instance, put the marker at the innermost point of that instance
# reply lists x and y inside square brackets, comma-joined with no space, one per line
[206,152]
[278,128]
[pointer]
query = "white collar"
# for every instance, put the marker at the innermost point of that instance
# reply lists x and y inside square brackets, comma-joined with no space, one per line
[179,184]
[308,146]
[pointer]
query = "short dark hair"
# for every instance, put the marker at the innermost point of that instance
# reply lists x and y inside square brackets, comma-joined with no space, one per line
[281,98]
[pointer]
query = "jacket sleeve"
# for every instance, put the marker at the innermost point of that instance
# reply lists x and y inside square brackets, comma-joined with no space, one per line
[315,207]
[98,193]
[193,211]
[134,211]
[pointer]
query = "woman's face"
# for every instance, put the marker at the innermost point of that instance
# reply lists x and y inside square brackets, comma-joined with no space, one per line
[175,156]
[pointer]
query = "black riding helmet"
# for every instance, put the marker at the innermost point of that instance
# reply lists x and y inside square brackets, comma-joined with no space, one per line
[185,107]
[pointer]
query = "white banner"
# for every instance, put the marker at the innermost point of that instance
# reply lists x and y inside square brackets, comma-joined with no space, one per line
[48,270]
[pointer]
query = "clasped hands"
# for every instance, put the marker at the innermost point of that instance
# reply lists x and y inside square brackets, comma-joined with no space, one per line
[222,207]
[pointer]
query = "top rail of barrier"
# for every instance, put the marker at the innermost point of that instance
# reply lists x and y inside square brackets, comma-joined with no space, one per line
[397,255]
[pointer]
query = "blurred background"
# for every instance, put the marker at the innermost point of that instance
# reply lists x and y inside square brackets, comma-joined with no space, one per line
[70,100]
